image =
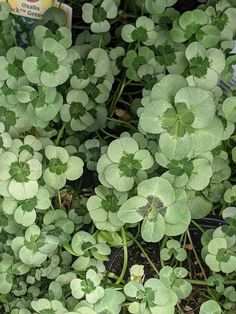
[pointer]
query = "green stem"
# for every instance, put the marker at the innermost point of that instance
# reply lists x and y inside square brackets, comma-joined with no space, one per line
[124,102]
[163,244]
[197,225]
[108,134]
[199,263]
[144,253]
[197,282]
[98,135]
[114,276]
[60,134]
[179,308]
[125,263]
[196,255]
[123,123]
[205,283]
[59,198]
[101,36]
[117,94]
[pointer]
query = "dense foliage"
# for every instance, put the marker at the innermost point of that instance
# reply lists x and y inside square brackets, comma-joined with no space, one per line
[119,133]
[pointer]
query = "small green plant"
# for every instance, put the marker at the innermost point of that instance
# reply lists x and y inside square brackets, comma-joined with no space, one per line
[117,140]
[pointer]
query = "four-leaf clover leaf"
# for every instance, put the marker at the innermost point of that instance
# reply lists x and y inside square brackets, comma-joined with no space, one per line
[62,167]
[162,208]
[89,287]
[123,163]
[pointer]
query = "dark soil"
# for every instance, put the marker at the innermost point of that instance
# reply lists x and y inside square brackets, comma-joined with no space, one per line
[186,5]
[135,256]
[192,304]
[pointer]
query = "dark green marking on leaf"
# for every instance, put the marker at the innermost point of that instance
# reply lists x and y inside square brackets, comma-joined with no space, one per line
[138,61]
[86,245]
[87,286]
[199,66]
[15,68]
[229,229]
[38,99]
[92,91]
[77,110]
[56,166]
[83,68]
[153,207]
[99,14]
[93,154]
[165,22]
[19,171]
[139,34]
[6,90]
[35,243]
[178,120]
[110,204]
[149,81]
[57,35]
[28,205]
[3,221]
[178,168]
[165,55]
[150,296]
[28,148]
[172,252]
[48,62]
[191,29]
[200,35]
[7,117]
[129,166]
[222,255]
[90,66]
[81,210]
[119,62]
[220,22]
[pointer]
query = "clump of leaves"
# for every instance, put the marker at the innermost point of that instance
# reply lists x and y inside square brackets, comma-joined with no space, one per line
[125,133]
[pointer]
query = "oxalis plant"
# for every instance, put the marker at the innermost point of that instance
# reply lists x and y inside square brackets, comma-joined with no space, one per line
[117,159]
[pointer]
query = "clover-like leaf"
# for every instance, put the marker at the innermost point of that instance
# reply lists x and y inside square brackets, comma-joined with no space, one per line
[174,278]
[103,208]
[89,287]
[43,103]
[210,307]
[19,177]
[97,15]
[45,306]
[123,163]
[143,31]
[62,167]
[157,204]
[173,249]
[48,68]
[219,257]
[77,113]
[62,35]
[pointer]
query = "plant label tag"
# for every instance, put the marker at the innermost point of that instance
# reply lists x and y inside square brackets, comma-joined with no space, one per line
[30,8]
[35,9]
